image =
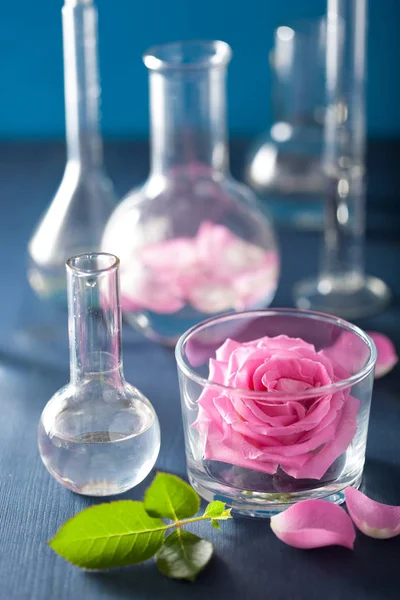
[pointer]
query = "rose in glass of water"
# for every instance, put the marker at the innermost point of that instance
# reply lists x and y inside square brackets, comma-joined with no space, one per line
[302,435]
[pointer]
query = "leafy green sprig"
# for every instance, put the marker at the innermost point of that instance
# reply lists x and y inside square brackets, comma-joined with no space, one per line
[127,532]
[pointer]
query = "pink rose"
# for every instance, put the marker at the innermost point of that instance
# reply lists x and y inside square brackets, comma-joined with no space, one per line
[303,436]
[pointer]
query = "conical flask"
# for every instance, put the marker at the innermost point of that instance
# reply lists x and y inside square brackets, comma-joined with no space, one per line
[75,219]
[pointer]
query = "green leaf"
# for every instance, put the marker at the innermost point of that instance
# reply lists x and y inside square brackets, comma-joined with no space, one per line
[216,510]
[215,524]
[109,535]
[183,555]
[169,497]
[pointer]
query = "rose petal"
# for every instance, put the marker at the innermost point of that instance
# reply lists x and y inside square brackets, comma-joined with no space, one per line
[176,255]
[234,254]
[345,430]
[280,342]
[374,519]
[210,295]
[347,353]
[256,286]
[160,295]
[303,373]
[253,433]
[387,357]
[224,351]
[232,448]
[246,358]
[279,413]
[217,371]
[207,411]
[314,524]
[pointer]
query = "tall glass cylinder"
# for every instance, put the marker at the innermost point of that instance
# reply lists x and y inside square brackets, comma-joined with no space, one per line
[192,241]
[342,288]
[98,435]
[284,165]
[75,220]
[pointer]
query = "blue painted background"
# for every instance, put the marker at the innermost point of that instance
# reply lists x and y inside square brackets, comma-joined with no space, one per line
[31,78]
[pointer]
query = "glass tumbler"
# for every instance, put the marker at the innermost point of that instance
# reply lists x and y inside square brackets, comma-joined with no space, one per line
[275,407]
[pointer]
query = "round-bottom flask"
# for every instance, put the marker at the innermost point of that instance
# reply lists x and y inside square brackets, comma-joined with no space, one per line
[192,241]
[98,435]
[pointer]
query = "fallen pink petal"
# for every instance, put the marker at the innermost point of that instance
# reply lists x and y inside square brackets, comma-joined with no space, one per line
[314,524]
[387,357]
[374,519]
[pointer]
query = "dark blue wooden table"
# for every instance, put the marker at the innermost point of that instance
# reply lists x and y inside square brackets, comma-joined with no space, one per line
[250,563]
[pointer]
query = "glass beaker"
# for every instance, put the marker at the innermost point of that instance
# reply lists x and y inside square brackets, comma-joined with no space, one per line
[75,220]
[275,407]
[341,287]
[192,240]
[284,164]
[98,435]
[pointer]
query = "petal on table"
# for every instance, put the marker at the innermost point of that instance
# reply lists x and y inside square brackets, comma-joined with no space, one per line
[387,357]
[374,519]
[314,524]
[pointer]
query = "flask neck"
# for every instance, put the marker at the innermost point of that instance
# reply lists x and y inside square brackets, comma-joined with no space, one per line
[81,83]
[94,317]
[298,69]
[188,110]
